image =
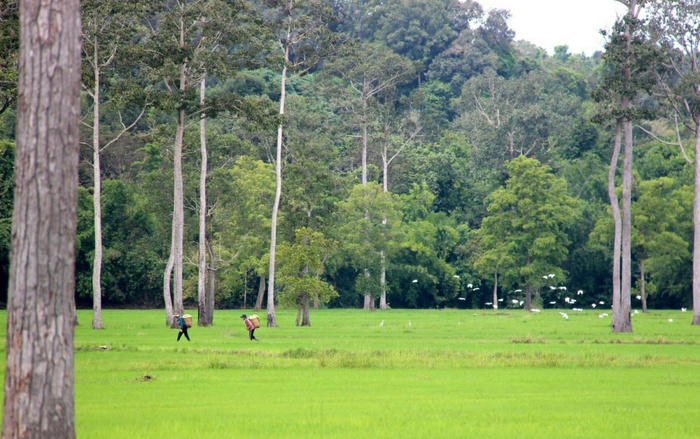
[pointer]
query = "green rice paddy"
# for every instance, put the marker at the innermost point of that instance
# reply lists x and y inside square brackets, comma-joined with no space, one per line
[394,374]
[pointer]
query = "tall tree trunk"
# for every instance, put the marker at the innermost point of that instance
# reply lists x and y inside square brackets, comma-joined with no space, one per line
[696,226]
[271,318]
[261,293]
[178,213]
[642,285]
[39,397]
[528,297]
[617,218]
[622,321]
[203,317]
[306,317]
[211,278]
[167,296]
[495,290]
[245,289]
[97,203]
[368,303]
[382,281]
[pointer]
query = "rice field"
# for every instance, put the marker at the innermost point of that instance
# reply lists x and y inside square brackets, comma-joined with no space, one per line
[392,374]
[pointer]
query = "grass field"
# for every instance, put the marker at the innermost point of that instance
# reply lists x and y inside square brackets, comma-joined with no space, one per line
[420,374]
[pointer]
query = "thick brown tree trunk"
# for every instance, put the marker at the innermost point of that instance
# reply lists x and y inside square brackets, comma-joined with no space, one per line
[261,293]
[39,374]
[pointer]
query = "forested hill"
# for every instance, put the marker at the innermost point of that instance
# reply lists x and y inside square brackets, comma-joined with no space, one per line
[425,154]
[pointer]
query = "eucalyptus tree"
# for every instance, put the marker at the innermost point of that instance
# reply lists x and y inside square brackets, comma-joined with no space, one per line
[9,49]
[301,29]
[39,399]
[109,30]
[626,75]
[192,39]
[525,232]
[676,25]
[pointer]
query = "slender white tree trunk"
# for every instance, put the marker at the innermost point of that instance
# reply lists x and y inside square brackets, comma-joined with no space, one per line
[203,317]
[97,202]
[642,284]
[39,397]
[369,302]
[696,228]
[495,290]
[617,218]
[271,318]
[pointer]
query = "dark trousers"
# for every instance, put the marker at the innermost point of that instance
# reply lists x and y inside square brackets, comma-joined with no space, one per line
[183,331]
[252,332]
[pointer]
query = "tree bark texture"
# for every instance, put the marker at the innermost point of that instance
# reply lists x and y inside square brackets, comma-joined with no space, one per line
[178,214]
[261,293]
[166,290]
[39,383]
[622,320]
[617,217]
[495,290]
[642,285]
[696,228]
[97,203]
[203,317]
[271,318]
[211,277]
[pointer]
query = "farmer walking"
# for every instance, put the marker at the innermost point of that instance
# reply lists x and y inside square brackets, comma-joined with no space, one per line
[250,327]
[183,329]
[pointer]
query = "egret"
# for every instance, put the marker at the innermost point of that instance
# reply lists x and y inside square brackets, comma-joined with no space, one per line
[639,297]
[489,303]
[518,291]
[670,320]
[476,289]
[593,305]
[469,285]
[461,298]
[500,300]
[552,303]
[565,315]
[456,276]
[601,302]
[683,310]
[414,281]
[552,288]
[514,301]
[579,292]
[382,324]
[544,277]
[636,311]
[521,303]
[551,276]
[535,310]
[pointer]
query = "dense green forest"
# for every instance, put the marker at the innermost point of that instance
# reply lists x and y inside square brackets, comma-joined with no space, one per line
[427,159]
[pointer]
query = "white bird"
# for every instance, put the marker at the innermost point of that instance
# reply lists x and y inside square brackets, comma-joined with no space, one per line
[579,292]
[500,300]
[670,320]
[565,315]
[683,310]
[551,276]
[544,277]
[535,310]
[572,301]
[552,288]
[518,291]
[456,276]
[461,298]
[566,299]
[475,289]
[593,305]
[636,311]
[562,288]
[601,302]
[489,303]
[639,297]
[600,316]
[514,301]
[414,281]
[578,309]
[521,303]
[552,303]
[382,324]
[469,285]
[409,323]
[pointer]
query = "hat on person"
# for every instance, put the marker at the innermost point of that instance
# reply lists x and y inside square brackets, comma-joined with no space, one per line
[244,316]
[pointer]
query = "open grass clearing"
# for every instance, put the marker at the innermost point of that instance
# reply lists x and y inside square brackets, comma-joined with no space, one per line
[422,373]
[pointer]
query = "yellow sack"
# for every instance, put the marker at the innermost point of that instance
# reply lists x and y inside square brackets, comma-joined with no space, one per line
[255,320]
[188,319]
